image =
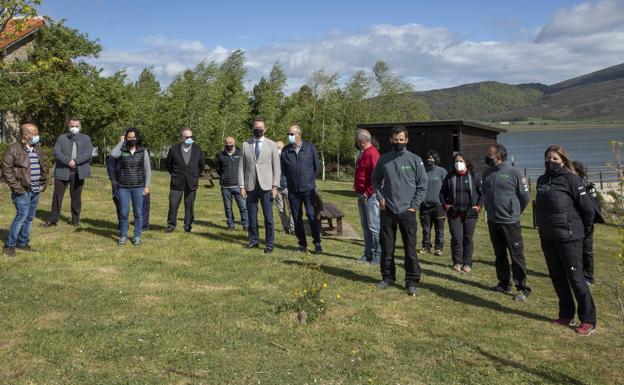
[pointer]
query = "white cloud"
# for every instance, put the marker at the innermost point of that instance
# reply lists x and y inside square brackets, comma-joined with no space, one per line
[576,41]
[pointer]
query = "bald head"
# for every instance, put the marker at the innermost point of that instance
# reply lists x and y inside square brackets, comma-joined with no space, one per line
[28,131]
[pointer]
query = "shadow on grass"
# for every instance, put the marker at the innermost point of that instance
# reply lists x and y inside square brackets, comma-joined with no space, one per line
[346,193]
[338,272]
[550,375]
[529,271]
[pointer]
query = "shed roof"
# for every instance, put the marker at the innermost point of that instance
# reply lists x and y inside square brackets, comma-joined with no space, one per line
[435,123]
[12,35]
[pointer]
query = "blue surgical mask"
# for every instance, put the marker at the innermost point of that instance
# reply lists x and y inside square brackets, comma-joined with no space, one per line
[188,141]
[291,139]
[34,139]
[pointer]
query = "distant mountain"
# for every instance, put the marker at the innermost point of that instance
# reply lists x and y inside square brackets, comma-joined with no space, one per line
[598,96]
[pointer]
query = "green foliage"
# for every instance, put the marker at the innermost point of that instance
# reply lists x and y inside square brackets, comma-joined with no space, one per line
[307,302]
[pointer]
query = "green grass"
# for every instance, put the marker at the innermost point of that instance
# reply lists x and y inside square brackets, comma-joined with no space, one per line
[200,309]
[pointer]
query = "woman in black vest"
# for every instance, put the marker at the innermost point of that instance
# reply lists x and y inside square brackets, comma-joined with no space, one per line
[134,174]
[462,199]
[564,215]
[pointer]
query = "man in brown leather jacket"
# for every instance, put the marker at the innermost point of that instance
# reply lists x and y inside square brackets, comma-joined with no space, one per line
[25,171]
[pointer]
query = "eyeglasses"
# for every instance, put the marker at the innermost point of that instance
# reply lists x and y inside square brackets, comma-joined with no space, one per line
[188,137]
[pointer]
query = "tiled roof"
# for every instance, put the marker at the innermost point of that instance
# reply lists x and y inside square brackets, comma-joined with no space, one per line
[10,36]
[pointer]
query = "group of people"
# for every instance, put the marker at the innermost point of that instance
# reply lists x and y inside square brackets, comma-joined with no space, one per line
[391,188]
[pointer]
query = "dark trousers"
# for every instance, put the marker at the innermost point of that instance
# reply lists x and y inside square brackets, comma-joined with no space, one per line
[565,267]
[75,191]
[462,229]
[508,236]
[406,221]
[297,201]
[175,197]
[145,208]
[433,216]
[267,210]
[588,256]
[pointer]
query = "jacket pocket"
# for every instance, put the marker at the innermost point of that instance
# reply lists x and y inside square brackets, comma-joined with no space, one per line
[557,226]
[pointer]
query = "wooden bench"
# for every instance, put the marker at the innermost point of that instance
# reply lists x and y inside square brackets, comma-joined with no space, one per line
[210,174]
[326,211]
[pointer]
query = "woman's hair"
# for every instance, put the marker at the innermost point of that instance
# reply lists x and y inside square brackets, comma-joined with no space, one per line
[580,169]
[469,165]
[563,154]
[434,155]
[137,133]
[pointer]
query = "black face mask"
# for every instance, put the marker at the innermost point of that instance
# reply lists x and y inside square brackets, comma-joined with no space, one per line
[229,147]
[552,167]
[490,161]
[398,147]
[258,132]
[131,142]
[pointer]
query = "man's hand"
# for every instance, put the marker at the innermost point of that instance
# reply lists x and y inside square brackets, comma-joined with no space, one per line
[146,190]
[382,204]
[411,210]
[72,164]
[243,192]
[274,193]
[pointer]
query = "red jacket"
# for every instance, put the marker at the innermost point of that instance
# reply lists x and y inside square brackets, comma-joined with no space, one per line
[363,171]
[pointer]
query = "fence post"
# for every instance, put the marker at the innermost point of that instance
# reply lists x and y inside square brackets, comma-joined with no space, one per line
[601,185]
[525,172]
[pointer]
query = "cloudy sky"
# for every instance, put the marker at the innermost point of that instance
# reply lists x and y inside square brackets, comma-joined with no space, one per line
[432,44]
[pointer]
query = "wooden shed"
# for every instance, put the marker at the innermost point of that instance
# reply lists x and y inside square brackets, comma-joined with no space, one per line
[444,136]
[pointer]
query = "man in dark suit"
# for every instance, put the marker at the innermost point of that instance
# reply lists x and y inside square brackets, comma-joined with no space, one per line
[72,151]
[185,162]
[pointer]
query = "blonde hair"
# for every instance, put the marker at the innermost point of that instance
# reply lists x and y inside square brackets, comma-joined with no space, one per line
[563,154]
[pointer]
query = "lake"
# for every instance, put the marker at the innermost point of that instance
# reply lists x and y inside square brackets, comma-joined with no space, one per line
[590,146]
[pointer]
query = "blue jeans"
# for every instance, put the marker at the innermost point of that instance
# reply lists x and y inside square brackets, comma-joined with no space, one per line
[125,194]
[267,209]
[26,207]
[369,219]
[234,192]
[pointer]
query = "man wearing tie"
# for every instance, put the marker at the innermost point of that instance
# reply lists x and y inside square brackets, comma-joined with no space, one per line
[258,178]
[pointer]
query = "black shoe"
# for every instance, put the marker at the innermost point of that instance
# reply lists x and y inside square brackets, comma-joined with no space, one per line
[252,245]
[318,249]
[383,285]
[187,230]
[48,224]
[500,289]
[245,228]
[268,250]
[75,223]
[169,229]
[411,290]
[303,249]
[9,251]
[24,248]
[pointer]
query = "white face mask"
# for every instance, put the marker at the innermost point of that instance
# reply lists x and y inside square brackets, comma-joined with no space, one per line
[460,166]
[74,130]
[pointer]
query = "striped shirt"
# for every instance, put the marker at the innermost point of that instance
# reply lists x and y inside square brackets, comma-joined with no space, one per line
[35,170]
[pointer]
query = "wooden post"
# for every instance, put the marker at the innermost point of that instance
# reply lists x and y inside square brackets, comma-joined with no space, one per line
[601,185]
[525,172]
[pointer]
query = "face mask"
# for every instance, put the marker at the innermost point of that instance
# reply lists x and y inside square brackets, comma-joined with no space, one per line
[258,132]
[291,139]
[398,147]
[229,147]
[34,140]
[552,167]
[460,166]
[131,142]
[188,141]
[430,163]
[490,161]
[74,130]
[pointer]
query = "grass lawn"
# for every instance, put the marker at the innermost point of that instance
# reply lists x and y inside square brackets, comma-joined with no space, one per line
[200,309]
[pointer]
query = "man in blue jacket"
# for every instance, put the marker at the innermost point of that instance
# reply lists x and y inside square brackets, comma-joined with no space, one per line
[72,151]
[506,194]
[300,164]
[400,182]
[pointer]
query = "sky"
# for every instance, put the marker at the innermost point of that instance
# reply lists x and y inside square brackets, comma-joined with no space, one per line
[432,44]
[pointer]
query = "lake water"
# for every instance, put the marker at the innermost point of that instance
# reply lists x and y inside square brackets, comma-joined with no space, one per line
[590,146]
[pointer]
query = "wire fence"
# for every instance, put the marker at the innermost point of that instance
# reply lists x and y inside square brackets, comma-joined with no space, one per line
[604,177]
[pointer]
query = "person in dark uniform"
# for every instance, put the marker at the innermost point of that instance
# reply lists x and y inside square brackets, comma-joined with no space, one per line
[506,193]
[462,198]
[564,214]
[185,162]
[588,241]
[431,212]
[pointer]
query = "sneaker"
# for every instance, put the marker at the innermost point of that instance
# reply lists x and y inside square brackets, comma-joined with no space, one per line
[501,289]
[318,249]
[123,240]
[136,241]
[268,249]
[24,248]
[457,267]
[364,259]
[383,285]
[585,329]
[521,296]
[169,230]
[411,290]
[302,249]
[590,285]
[9,251]
[467,269]
[437,252]
[48,224]
[424,250]
[563,321]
